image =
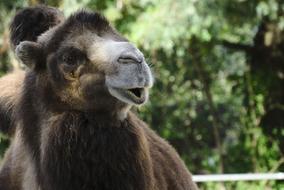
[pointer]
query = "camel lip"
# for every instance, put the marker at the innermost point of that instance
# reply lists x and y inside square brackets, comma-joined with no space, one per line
[135,95]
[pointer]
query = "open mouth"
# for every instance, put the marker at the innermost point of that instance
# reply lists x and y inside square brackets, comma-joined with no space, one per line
[131,95]
[135,91]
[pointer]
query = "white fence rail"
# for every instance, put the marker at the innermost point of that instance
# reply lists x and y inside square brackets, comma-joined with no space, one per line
[238,177]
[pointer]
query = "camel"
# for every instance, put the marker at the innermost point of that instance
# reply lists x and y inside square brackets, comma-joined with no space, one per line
[69,113]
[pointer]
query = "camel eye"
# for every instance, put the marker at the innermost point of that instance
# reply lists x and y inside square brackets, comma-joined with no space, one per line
[69,59]
[72,56]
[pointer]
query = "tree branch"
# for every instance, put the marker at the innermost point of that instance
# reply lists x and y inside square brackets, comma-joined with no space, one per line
[236,46]
[215,121]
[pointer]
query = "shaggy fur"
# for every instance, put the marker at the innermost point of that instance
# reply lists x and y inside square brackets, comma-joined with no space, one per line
[29,23]
[10,86]
[63,139]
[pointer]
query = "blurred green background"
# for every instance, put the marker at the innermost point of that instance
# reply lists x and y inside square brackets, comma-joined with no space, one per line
[219,68]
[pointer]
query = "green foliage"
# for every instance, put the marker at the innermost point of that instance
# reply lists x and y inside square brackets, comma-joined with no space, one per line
[218,94]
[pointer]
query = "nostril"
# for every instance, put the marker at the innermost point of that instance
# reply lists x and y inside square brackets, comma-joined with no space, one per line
[129,58]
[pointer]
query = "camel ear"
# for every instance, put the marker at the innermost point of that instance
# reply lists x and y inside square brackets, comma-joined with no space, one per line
[31,54]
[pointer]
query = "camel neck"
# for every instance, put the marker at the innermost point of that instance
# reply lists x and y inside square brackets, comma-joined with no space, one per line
[82,155]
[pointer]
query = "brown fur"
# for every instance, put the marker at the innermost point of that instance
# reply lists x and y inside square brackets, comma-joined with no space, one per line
[69,130]
[10,86]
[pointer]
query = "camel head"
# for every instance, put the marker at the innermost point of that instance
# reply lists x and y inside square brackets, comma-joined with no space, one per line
[84,62]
